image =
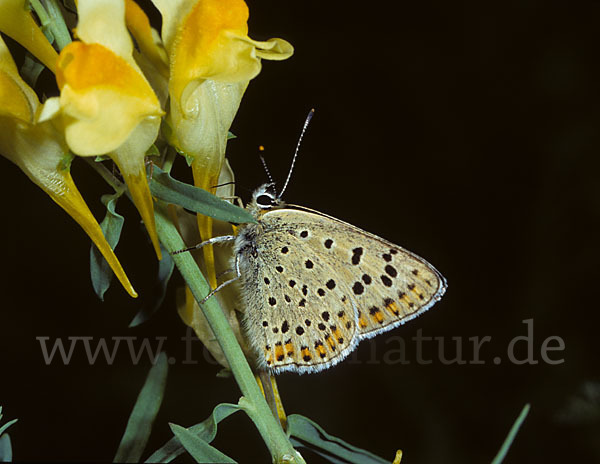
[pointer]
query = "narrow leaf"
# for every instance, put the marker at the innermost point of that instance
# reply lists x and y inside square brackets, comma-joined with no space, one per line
[159,289]
[5,445]
[111,226]
[7,425]
[206,430]
[311,435]
[164,187]
[5,449]
[511,435]
[328,457]
[144,412]
[198,448]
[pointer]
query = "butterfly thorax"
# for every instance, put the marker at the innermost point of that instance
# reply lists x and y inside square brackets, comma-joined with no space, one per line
[264,199]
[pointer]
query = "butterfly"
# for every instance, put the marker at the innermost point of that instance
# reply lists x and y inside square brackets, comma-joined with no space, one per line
[312,286]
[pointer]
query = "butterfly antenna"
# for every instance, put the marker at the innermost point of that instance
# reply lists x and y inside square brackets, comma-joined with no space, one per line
[264,163]
[223,184]
[287,181]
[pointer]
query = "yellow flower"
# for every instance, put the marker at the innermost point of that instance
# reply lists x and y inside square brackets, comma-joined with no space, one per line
[16,22]
[42,154]
[106,104]
[211,61]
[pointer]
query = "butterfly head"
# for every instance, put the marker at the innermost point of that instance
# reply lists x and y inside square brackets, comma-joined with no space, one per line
[265,198]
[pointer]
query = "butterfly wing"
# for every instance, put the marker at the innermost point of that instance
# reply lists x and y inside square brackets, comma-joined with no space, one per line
[387,284]
[296,315]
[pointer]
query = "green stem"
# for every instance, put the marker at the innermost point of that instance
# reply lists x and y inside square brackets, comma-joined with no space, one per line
[169,159]
[41,12]
[109,178]
[57,24]
[252,401]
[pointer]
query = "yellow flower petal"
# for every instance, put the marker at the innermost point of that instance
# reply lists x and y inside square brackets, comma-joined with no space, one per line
[205,46]
[273,49]
[17,99]
[103,22]
[14,101]
[152,57]
[16,22]
[104,98]
[140,192]
[200,127]
[83,66]
[172,12]
[139,26]
[207,176]
[71,201]
[130,159]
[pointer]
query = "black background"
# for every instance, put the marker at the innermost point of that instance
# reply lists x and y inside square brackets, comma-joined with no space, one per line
[465,132]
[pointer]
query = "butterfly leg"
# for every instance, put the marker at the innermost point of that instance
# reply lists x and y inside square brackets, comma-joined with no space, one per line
[222,273]
[227,282]
[222,238]
[234,199]
[149,162]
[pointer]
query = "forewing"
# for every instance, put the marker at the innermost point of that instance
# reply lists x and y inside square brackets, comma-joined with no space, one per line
[388,284]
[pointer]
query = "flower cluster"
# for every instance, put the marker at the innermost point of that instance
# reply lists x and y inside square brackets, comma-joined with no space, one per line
[115,97]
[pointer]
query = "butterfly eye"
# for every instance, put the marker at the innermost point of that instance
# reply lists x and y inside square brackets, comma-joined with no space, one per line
[264,200]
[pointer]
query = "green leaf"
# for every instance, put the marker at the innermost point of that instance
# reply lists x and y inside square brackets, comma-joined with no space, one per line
[311,435]
[7,425]
[159,289]
[231,135]
[198,448]
[164,187]
[5,449]
[5,445]
[144,412]
[511,435]
[206,431]
[111,226]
